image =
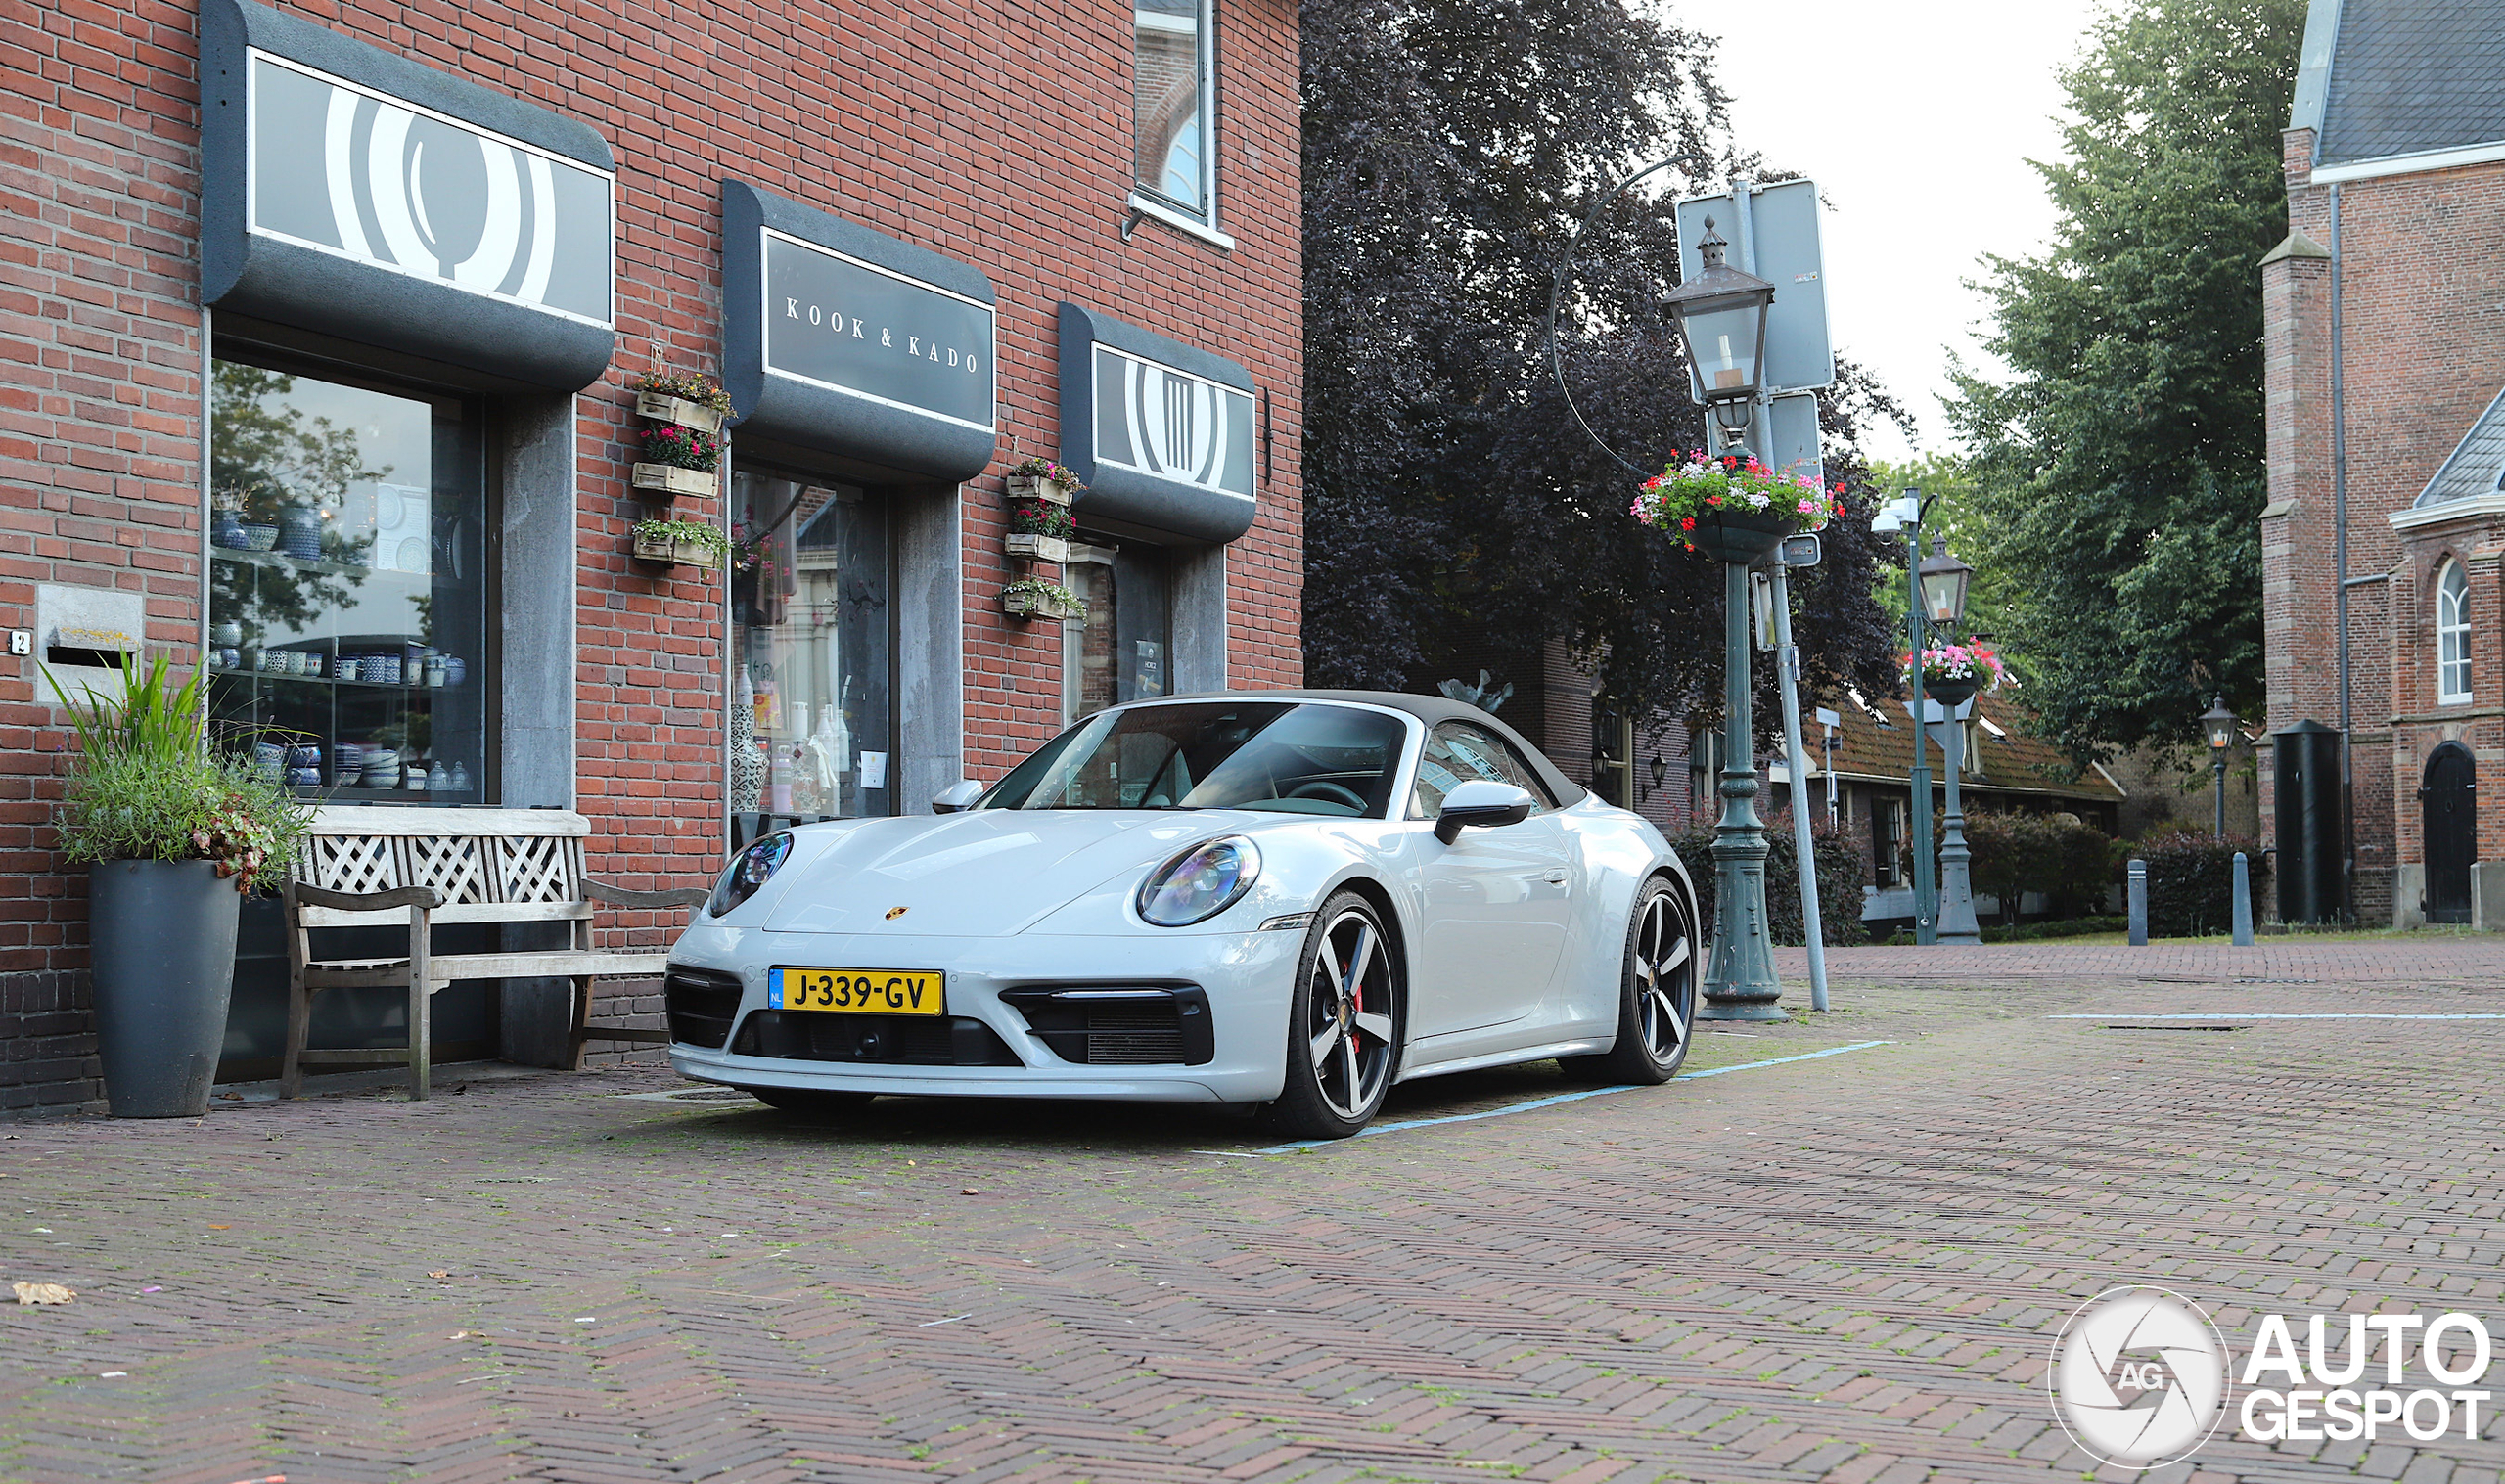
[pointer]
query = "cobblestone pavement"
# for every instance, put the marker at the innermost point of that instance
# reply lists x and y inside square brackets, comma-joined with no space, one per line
[1843,1269]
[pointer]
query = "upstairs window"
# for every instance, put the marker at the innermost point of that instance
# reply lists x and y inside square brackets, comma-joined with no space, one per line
[1173,163]
[2453,637]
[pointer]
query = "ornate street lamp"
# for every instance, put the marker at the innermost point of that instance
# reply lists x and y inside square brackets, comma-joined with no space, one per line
[1944,579]
[2221,726]
[1721,315]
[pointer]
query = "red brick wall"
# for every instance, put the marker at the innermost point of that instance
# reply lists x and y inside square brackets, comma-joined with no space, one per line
[2422,358]
[998,135]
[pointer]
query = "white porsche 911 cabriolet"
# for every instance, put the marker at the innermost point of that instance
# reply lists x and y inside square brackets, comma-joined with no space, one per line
[1284,898]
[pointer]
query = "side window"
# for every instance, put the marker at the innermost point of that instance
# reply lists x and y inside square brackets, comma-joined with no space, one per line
[1457,752]
[1171,69]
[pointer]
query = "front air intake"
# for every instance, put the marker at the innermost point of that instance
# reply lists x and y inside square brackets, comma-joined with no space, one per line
[1120,1025]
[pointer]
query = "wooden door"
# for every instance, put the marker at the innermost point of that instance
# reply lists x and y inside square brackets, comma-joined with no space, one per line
[2450,814]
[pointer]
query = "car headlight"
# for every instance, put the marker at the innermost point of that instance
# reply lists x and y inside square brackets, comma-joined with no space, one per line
[1199,884]
[754,868]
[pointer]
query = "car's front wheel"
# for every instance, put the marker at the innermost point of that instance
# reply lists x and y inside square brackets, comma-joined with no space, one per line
[1343,1024]
[1656,995]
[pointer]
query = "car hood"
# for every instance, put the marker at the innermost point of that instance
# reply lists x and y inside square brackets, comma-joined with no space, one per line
[985,874]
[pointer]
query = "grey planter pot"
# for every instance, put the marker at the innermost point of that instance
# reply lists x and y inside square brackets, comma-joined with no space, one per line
[164,956]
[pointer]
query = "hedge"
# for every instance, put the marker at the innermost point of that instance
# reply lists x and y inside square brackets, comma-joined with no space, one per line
[2070,862]
[1840,869]
[2191,878]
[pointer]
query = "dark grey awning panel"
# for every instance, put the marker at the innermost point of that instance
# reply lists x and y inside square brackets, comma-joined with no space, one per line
[1162,434]
[349,190]
[848,340]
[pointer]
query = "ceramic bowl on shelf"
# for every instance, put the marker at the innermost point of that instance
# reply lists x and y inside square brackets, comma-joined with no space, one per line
[260,538]
[347,667]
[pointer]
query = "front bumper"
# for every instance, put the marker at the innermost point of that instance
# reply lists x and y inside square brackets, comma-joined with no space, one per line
[1247,979]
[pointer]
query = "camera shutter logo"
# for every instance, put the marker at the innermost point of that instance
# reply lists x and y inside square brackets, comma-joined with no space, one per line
[356,174]
[2138,1377]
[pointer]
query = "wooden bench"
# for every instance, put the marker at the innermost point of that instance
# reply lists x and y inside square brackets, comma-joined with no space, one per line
[420,869]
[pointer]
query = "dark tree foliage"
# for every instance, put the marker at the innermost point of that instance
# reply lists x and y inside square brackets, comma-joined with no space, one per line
[1450,148]
[2118,470]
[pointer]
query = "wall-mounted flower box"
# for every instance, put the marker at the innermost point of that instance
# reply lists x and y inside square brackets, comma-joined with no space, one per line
[680,543]
[1035,597]
[1035,487]
[662,407]
[1038,548]
[670,481]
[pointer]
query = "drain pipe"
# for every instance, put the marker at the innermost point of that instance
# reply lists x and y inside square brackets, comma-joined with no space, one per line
[2340,569]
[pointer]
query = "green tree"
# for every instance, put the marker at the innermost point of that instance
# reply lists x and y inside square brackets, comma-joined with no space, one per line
[1450,149]
[2119,469]
[267,455]
[1958,512]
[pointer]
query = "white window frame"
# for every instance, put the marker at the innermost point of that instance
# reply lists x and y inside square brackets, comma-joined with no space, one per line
[1157,204]
[2453,634]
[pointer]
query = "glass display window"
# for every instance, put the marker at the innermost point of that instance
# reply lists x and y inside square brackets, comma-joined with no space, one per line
[1123,650]
[350,588]
[812,719]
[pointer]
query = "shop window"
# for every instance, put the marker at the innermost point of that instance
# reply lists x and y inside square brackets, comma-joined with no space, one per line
[348,585]
[1887,842]
[1124,650]
[2452,636]
[1171,119]
[812,633]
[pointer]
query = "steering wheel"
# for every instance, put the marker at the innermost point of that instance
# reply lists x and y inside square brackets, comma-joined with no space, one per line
[1323,787]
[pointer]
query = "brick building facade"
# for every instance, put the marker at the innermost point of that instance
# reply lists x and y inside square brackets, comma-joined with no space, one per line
[416,256]
[2385,360]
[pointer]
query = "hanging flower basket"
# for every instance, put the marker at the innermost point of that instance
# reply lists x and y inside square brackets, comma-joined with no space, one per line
[1035,597]
[1953,674]
[1732,507]
[670,481]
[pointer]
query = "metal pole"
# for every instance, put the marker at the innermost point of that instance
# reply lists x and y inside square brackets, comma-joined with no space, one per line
[2241,908]
[1926,900]
[2136,897]
[1957,923]
[2220,767]
[2339,571]
[1804,847]
[1740,984]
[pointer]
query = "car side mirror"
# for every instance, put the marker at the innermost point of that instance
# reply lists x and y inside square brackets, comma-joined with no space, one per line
[1482,803]
[957,797]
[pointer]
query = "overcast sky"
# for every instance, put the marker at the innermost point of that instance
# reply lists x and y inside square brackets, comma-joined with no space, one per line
[1916,117]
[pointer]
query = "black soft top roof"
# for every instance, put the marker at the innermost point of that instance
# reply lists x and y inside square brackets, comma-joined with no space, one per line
[1430,709]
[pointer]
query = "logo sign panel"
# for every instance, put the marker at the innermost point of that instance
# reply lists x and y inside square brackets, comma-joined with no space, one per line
[849,326]
[1172,425]
[358,175]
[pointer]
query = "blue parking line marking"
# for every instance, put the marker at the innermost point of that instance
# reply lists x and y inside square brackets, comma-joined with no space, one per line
[2344,1015]
[1551,1102]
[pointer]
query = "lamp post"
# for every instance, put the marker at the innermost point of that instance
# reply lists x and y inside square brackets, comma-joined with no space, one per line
[1721,315]
[1905,515]
[1943,580]
[2220,724]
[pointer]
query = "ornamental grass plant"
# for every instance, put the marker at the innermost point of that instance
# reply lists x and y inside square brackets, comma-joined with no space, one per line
[146,783]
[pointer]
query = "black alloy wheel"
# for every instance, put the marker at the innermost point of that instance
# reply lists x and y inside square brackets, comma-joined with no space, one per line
[1343,1024]
[1656,993]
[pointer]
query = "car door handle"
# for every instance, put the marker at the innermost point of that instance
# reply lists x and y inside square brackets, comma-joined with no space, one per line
[1555,878]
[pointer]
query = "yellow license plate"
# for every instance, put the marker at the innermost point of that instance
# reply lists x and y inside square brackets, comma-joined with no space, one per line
[858,991]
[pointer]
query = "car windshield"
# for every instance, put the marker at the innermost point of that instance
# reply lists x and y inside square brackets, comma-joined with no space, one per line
[1279,756]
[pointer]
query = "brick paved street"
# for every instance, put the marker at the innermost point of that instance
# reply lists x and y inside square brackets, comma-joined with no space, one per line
[1846,1268]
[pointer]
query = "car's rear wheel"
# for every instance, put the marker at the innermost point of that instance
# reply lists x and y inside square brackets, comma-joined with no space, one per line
[1343,1024]
[1656,993]
[811,1102]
